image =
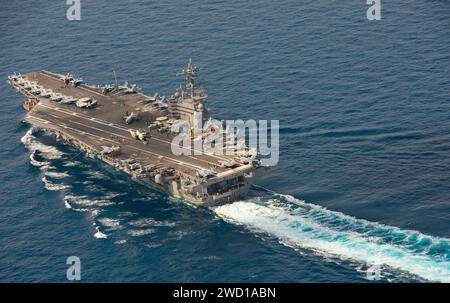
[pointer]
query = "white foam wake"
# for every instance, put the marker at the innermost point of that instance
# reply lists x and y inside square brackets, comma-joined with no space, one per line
[305,225]
[110,223]
[53,186]
[84,201]
[34,162]
[100,235]
[56,175]
[47,152]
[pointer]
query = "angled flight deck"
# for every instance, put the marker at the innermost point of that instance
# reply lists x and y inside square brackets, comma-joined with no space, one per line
[131,131]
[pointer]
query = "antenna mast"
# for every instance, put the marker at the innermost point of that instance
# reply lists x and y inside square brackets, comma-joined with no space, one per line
[191,74]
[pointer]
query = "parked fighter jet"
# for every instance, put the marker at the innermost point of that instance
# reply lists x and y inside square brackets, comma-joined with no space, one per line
[138,135]
[129,118]
[127,88]
[106,150]
[46,93]
[56,97]
[135,166]
[67,78]
[205,173]
[76,81]
[151,99]
[107,88]
[14,77]
[27,85]
[86,102]
[68,100]
[21,81]
[36,89]
[228,164]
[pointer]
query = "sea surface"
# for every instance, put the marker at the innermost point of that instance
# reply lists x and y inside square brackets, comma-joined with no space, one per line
[364,172]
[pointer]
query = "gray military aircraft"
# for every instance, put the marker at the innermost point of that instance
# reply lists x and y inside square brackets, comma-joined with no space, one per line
[128,89]
[56,97]
[68,100]
[107,88]
[138,135]
[14,77]
[76,81]
[205,173]
[151,99]
[36,89]
[228,164]
[46,93]
[67,78]
[130,118]
[106,150]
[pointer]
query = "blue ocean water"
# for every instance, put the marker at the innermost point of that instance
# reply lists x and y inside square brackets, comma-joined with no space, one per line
[364,171]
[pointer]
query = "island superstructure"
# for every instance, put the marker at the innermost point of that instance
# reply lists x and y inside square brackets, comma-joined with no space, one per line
[131,131]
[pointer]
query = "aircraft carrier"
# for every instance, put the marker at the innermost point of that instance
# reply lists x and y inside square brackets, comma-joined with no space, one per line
[131,131]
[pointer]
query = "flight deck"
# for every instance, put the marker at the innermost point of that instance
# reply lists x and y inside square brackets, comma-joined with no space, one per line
[131,131]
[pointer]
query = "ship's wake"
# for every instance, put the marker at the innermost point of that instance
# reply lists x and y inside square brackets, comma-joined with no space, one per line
[333,234]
